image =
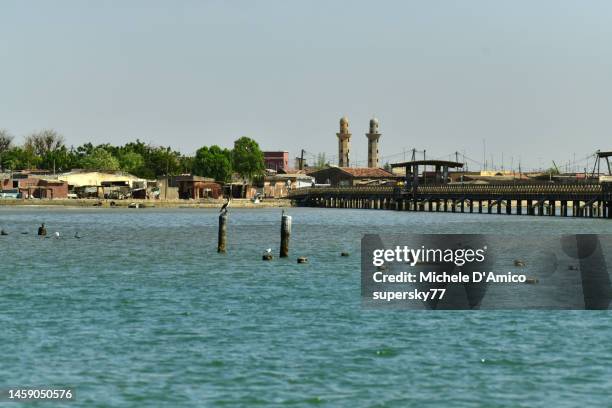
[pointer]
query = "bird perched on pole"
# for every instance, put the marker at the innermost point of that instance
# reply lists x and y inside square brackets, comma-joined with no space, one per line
[224,206]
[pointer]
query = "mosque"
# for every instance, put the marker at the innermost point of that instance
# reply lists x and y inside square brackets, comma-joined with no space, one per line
[344,143]
[344,174]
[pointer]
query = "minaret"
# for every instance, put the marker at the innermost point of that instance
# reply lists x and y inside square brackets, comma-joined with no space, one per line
[373,137]
[344,143]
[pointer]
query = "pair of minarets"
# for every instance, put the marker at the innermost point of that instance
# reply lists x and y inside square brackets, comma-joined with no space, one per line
[344,143]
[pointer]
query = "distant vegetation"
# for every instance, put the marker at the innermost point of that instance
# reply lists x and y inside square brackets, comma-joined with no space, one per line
[47,150]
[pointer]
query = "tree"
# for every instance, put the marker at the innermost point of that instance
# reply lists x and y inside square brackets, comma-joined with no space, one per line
[162,161]
[131,162]
[100,159]
[321,161]
[247,158]
[213,162]
[6,139]
[19,158]
[43,142]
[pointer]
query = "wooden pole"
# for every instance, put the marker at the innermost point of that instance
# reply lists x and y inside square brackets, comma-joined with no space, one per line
[285,235]
[222,233]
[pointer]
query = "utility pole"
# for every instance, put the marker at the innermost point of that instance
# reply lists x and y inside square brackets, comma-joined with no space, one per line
[484,153]
[302,160]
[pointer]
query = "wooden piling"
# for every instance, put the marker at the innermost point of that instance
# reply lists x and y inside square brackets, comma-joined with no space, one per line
[222,238]
[285,235]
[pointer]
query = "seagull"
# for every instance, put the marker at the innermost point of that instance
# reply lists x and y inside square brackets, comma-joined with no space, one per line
[57,235]
[224,206]
[76,235]
[269,251]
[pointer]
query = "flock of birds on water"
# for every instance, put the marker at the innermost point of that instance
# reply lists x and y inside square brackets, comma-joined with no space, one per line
[42,232]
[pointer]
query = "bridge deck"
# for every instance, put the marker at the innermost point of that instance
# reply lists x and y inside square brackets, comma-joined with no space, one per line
[585,199]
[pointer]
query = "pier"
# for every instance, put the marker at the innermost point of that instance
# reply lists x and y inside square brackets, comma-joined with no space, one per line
[577,199]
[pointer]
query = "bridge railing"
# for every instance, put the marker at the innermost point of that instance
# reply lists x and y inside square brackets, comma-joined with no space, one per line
[509,189]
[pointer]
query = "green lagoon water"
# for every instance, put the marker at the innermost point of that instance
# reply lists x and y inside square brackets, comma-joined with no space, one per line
[142,312]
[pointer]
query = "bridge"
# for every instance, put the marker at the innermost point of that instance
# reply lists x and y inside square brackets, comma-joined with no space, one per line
[576,199]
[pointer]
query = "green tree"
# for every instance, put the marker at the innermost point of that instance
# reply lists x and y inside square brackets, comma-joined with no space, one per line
[162,161]
[60,159]
[131,162]
[247,158]
[100,159]
[213,162]
[19,158]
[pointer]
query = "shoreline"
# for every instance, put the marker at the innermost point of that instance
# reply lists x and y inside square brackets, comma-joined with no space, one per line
[106,203]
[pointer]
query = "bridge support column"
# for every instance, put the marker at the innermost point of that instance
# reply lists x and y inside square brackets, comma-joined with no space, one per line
[454,205]
[541,207]
[479,206]
[508,207]
[552,208]
[564,208]
[519,207]
[489,207]
[471,206]
[499,206]
[462,205]
[609,209]
[530,210]
[574,208]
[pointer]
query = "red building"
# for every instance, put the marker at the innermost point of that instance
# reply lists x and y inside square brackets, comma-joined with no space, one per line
[276,160]
[196,187]
[34,187]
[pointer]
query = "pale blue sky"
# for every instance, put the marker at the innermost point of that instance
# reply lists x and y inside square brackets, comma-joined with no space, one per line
[533,78]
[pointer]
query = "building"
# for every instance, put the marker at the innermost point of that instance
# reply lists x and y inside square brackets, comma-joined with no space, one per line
[373,137]
[33,186]
[353,176]
[276,160]
[196,187]
[166,189]
[416,171]
[85,178]
[279,185]
[344,143]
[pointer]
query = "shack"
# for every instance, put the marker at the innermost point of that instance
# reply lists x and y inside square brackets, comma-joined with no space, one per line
[196,187]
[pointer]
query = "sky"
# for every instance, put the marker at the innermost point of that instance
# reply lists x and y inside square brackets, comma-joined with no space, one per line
[529,81]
